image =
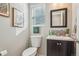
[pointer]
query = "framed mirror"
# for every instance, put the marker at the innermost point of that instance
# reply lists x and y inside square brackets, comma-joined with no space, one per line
[58,18]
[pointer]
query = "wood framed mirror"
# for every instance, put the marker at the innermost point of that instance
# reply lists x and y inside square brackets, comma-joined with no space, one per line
[58,18]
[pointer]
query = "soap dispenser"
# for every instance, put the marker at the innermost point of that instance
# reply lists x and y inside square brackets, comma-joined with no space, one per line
[49,32]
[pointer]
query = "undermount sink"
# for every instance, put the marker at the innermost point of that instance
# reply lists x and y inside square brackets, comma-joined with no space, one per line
[54,37]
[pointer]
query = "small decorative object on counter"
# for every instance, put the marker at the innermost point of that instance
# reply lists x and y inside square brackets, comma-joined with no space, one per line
[36,30]
[73,35]
[67,32]
[50,32]
[61,33]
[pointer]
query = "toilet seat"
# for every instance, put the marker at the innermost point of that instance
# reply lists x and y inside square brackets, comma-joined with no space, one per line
[30,51]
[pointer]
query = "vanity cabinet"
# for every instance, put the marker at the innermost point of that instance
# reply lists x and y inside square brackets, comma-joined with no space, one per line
[60,48]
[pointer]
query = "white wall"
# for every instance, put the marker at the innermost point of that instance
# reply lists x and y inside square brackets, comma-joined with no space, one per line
[75,21]
[74,15]
[8,39]
[77,13]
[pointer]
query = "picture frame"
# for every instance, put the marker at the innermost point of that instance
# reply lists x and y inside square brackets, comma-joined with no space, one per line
[17,18]
[58,18]
[36,30]
[4,9]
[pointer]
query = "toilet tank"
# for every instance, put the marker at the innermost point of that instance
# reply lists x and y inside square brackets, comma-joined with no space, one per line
[36,40]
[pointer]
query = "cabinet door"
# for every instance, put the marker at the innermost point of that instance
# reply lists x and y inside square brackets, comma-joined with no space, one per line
[52,48]
[62,48]
[56,48]
[71,50]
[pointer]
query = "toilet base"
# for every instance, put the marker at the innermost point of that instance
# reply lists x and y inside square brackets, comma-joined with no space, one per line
[32,51]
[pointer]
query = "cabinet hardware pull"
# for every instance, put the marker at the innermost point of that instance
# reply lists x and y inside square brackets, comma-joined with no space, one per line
[58,44]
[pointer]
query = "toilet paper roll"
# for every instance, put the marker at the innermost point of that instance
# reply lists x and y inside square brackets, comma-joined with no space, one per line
[4,52]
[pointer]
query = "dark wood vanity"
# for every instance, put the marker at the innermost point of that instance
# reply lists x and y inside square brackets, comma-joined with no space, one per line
[60,48]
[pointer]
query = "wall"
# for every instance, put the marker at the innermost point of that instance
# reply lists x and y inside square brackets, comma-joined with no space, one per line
[74,15]
[75,21]
[76,11]
[15,44]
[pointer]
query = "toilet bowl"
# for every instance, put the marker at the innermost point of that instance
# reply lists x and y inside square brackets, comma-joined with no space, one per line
[30,51]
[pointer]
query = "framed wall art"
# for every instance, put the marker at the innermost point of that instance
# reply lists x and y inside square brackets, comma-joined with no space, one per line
[36,30]
[18,18]
[4,9]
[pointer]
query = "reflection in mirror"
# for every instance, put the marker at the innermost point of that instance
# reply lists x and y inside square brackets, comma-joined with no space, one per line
[59,18]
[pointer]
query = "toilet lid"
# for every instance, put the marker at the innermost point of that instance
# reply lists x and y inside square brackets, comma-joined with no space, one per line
[29,51]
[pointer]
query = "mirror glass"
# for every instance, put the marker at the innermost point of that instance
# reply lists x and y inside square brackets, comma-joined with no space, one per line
[59,18]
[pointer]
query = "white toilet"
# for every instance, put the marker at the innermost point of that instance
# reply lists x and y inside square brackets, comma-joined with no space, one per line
[32,51]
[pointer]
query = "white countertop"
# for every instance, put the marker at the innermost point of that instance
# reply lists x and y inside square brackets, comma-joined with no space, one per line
[54,37]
